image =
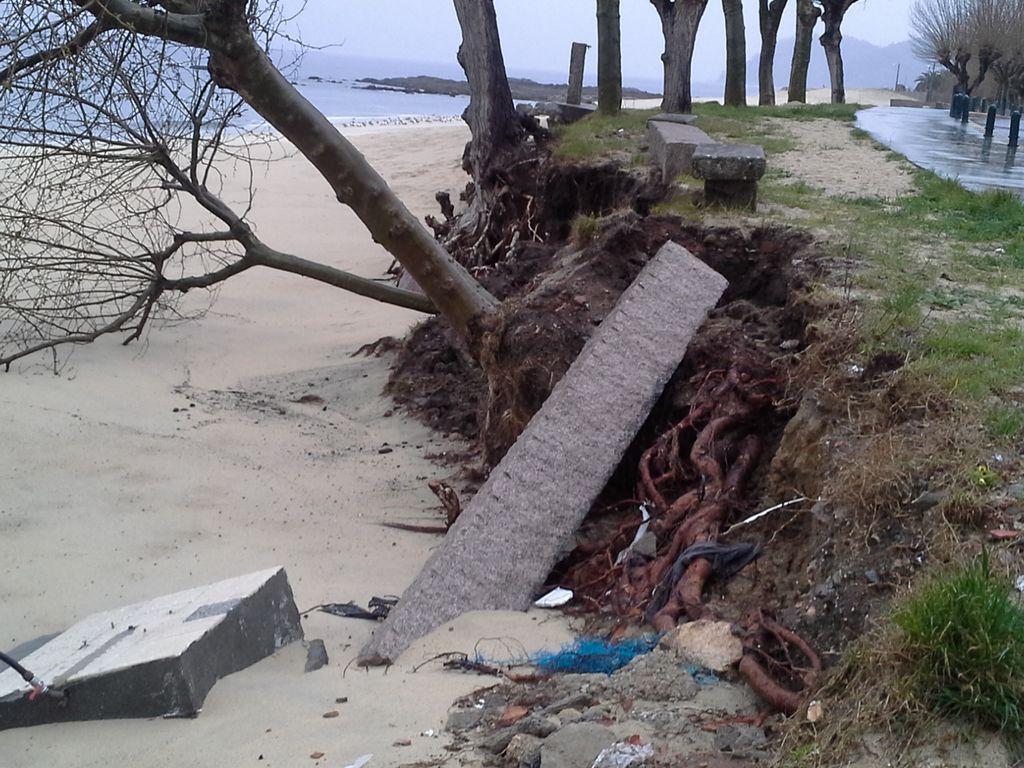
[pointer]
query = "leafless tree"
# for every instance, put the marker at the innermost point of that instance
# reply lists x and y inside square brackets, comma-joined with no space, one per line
[967,37]
[679,22]
[115,123]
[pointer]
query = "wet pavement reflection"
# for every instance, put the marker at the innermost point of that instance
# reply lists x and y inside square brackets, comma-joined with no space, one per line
[932,139]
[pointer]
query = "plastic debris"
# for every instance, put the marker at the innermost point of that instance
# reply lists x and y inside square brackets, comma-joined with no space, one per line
[587,655]
[702,676]
[359,762]
[379,608]
[556,598]
[623,754]
[1019,584]
[640,533]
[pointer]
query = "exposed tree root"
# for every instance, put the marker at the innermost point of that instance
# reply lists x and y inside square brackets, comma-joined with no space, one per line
[769,668]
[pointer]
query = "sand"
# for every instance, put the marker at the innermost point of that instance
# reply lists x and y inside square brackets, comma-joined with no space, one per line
[142,470]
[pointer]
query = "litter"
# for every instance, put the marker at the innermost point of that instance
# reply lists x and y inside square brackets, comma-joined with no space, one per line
[640,533]
[359,762]
[1019,584]
[379,608]
[726,560]
[624,754]
[556,598]
[587,655]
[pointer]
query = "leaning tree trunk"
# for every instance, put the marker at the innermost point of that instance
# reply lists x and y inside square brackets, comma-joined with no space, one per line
[807,14]
[609,57]
[496,129]
[735,54]
[770,17]
[237,62]
[679,22]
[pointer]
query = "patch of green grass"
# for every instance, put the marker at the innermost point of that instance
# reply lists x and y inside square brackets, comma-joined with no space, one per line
[972,359]
[979,217]
[583,230]
[1004,422]
[602,135]
[844,112]
[964,641]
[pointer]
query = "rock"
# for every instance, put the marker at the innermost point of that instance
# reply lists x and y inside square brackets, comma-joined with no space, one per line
[534,725]
[316,655]
[655,676]
[576,745]
[708,644]
[569,715]
[524,750]
[739,738]
[462,720]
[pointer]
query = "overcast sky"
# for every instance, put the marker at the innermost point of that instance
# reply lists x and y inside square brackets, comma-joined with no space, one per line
[536,34]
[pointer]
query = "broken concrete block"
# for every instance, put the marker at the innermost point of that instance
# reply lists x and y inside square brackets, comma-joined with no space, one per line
[576,745]
[507,539]
[708,644]
[672,146]
[157,658]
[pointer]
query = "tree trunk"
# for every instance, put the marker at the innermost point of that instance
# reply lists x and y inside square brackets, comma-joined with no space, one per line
[491,115]
[831,40]
[770,17]
[237,62]
[735,54]
[609,57]
[679,22]
[807,14]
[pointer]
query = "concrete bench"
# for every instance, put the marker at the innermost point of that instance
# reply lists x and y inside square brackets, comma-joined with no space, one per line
[672,143]
[730,173]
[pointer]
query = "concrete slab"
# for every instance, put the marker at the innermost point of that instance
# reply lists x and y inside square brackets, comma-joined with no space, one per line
[672,117]
[728,162]
[507,539]
[157,658]
[672,145]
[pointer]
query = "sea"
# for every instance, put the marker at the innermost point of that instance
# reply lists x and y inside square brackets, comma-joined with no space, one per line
[330,82]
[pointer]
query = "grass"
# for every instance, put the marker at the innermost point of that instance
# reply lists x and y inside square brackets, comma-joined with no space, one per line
[963,638]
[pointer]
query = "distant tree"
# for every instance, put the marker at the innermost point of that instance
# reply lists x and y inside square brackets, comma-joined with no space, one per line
[832,14]
[807,15]
[735,54]
[930,83]
[961,35]
[679,22]
[609,57]
[770,17]
[115,120]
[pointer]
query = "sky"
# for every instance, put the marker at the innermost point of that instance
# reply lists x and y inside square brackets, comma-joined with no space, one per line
[536,34]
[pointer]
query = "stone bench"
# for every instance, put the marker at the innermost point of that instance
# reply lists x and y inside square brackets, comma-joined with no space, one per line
[672,141]
[730,173]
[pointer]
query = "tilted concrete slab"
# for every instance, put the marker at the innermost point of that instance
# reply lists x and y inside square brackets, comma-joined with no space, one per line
[157,658]
[672,145]
[673,117]
[513,532]
[728,162]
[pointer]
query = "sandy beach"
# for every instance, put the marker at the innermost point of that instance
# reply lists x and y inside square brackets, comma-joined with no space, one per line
[147,469]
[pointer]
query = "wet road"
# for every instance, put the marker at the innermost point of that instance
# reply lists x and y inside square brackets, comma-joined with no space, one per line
[932,139]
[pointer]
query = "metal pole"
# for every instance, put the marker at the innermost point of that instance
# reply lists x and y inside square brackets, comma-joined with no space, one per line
[1014,128]
[952,103]
[965,112]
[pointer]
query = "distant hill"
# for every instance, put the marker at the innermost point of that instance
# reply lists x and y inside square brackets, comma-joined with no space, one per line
[866,65]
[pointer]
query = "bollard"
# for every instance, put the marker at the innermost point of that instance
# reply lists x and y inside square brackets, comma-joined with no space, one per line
[990,121]
[953,102]
[1014,128]
[965,111]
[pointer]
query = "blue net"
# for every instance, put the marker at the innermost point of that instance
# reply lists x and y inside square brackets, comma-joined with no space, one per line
[589,654]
